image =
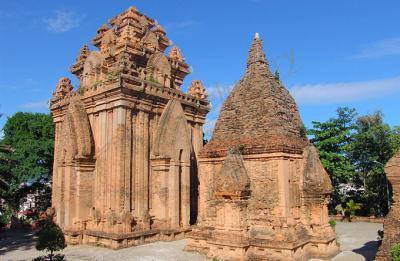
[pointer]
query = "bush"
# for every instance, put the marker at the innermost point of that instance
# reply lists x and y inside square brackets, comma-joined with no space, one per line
[352,207]
[332,223]
[395,252]
[50,238]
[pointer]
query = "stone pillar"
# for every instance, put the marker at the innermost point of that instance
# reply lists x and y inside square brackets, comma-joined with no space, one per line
[142,163]
[102,159]
[134,163]
[127,160]
[119,159]
[185,193]
[160,177]
[283,181]
[60,186]
[173,194]
[70,195]
[84,189]
[109,161]
[146,162]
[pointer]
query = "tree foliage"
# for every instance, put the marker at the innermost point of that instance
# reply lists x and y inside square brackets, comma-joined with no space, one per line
[373,144]
[50,237]
[28,167]
[354,151]
[332,139]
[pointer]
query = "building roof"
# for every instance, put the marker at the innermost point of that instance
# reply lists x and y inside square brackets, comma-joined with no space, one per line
[259,114]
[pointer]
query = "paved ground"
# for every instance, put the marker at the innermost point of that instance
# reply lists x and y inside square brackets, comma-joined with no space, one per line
[357,240]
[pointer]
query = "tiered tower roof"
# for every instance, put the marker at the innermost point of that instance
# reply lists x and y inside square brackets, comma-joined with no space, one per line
[130,53]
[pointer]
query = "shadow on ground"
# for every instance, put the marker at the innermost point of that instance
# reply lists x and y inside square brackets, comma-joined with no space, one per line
[16,239]
[368,250]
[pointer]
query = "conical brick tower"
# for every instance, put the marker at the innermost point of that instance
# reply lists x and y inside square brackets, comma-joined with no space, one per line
[263,191]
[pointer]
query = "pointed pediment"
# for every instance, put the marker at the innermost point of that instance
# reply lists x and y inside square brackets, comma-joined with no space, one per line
[172,137]
[232,181]
[316,179]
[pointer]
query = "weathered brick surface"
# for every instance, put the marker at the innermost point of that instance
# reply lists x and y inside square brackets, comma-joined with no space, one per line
[127,139]
[391,224]
[263,190]
[259,112]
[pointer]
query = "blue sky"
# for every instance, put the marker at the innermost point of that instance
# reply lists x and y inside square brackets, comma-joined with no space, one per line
[329,53]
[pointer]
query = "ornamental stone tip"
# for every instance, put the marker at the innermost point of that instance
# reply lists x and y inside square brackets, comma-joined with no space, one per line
[257,36]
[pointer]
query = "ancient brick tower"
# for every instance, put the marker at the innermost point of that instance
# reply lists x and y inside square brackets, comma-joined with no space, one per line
[127,139]
[392,220]
[263,190]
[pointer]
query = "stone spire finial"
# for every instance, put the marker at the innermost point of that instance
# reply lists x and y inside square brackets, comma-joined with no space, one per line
[83,53]
[198,90]
[64,88]
[256,53]
[259,112]
[176,54]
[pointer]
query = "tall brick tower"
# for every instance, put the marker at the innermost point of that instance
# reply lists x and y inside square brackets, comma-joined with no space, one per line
[127,139]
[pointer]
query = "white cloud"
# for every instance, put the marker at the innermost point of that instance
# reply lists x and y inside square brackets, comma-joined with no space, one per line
[63,21]
[344,92]
[35,105]
[385,47]
[209,127]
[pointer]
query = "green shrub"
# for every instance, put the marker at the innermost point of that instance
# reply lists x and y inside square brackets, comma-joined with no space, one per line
[50,238]
[352,207]
[395,252]
[332,223]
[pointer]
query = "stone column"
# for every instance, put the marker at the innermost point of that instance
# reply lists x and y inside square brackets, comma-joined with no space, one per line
[109,161]
[173,194]
[127,159]
[102,161]
[283,181]
[185,194]
[134,163]
[84,180]
[70,195]
[119,159]
[160,177]
[146,162]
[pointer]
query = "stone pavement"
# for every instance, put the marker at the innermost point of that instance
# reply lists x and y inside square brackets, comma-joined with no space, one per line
[358,241]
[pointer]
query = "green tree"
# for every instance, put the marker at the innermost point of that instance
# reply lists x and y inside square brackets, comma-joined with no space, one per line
[332,139]
[50,237]
[372,145]
[28,168]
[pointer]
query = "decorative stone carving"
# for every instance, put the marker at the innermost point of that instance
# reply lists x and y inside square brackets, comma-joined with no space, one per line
[91,69]
[176,54]
[64,88]
[197,90]
[159,69]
